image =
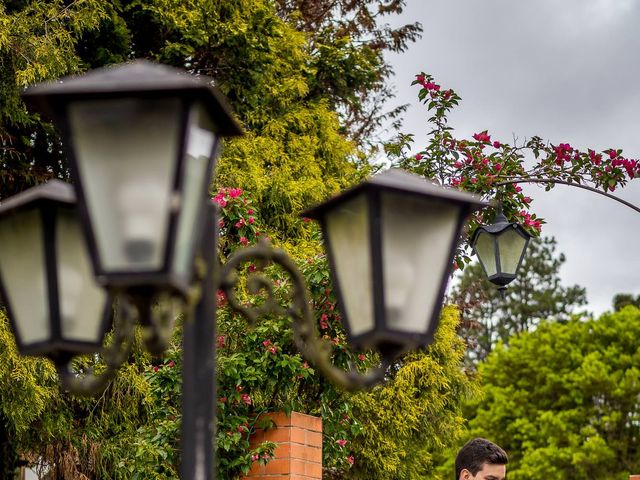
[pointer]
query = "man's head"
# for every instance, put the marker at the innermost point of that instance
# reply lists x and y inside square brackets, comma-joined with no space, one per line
[481,459]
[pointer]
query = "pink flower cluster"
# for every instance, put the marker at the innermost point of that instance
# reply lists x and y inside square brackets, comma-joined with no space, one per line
[563,153]
[427,84]
[530,222]
[224,194]
[483,137]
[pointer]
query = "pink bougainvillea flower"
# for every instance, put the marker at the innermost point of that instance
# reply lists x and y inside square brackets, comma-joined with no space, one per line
[497,167]
[255,457]
[613,154]
[244,241]
[240,223]
[172,364]
[351,459]
[222,399]
[246,399]
[362,357]
[517,187]
[266,343]
[235,192]
[251,220]
[273,350]
[324,321]
[483,137]
[342,442]
[221,341]
[497,144]
[418,156]
[155,369]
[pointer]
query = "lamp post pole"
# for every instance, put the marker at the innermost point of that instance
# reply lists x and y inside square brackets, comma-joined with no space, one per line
[198,367]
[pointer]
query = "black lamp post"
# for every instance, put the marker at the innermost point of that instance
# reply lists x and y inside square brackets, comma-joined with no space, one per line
[500,247]
[142,140]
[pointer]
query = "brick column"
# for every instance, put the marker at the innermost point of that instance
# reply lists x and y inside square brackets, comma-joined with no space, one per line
[298,455]
[634,477]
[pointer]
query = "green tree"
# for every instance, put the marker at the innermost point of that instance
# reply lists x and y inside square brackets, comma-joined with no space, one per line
[562,400]
[535,295]
[621,300]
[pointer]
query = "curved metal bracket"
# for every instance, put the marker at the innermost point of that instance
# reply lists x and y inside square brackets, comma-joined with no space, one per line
[570,184]
[305,332]
[89,384]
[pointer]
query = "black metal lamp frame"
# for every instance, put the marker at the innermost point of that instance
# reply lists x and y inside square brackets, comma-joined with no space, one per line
[136,80]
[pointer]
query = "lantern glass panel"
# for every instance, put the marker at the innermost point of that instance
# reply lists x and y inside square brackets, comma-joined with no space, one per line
[82,301]
[200,143]
[347,228]
[511,244]
[417,237]
[126,151]
[486,250]
[22,267]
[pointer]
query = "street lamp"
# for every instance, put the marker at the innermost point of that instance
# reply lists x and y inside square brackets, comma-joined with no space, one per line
[142,139]
[500,247]
[54,305]
[391,240]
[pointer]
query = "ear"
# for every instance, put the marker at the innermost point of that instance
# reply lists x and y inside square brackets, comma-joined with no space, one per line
[465,475]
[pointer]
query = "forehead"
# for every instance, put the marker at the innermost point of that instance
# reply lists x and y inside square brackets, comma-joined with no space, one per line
[490,471]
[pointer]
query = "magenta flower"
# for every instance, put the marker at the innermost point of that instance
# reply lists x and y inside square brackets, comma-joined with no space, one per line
[342,443]
[244,241]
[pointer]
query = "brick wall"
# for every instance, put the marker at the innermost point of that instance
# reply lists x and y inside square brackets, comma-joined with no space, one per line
[298,455]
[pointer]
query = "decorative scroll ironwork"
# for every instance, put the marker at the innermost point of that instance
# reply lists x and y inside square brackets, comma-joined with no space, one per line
[89,383]
[305,332]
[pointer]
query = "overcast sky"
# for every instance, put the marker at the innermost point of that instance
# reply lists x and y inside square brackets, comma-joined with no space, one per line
[568,71]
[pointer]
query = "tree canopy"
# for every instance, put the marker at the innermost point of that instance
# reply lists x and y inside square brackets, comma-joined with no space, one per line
[562,400]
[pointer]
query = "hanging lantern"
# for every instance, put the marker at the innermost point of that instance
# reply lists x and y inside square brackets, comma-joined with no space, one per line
[500,247]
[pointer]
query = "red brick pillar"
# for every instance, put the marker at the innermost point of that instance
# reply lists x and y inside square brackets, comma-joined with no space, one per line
[298,454]
[634,477]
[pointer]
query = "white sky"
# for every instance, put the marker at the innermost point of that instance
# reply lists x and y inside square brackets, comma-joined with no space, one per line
[568,71]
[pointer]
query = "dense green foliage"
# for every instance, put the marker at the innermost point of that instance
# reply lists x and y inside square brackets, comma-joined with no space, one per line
[535,295]
[563,400]
[409,420]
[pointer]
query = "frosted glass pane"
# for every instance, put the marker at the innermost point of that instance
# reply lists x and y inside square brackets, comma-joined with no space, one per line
[485,247]
[511,245]
[417,235]
[126,151]
[22,267]
[82,302]
[348,231]
[199,147]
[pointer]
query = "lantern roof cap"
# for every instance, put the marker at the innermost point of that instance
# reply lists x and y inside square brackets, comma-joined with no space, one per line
[400,181]
[52,191]
[500,224]
[139,77]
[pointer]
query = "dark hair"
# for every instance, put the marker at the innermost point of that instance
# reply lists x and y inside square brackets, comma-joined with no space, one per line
[478,452]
